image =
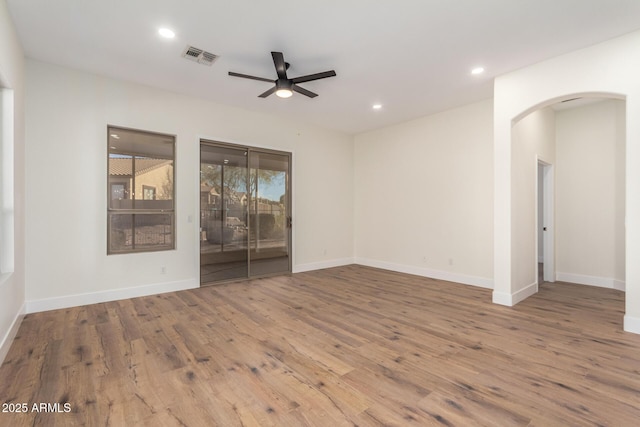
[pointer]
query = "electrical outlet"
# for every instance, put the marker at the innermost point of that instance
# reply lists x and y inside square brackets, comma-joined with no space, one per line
[163,270]
[424,259]
[450,261]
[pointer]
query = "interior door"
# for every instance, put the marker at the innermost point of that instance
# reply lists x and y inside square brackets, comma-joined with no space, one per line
[245,212]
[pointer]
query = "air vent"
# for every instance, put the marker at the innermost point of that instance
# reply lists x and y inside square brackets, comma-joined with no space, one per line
[207,58]
[198,55]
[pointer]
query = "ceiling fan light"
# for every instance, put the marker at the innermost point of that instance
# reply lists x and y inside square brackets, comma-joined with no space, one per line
[284,93]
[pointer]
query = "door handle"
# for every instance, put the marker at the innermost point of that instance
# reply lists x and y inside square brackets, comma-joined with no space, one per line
[289,222]
[544,228]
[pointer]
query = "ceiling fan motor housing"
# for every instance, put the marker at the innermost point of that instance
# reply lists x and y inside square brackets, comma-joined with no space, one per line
[284,84]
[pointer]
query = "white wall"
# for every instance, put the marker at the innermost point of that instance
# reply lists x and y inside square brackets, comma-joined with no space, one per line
[611,69]
[68,112]
[590,194]
[424,196]
[533,140]
[12,287]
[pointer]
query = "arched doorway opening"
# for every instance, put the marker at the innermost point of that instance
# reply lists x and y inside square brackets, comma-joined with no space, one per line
[568,194]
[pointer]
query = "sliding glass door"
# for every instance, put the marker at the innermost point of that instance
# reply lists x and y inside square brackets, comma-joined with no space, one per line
[245,212]
[269,213]
[224,223]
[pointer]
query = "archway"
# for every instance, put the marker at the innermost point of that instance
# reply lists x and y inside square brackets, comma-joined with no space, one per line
[608,69]
[580,146]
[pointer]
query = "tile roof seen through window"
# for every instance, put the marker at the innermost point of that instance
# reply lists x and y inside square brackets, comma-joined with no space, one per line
[123,166]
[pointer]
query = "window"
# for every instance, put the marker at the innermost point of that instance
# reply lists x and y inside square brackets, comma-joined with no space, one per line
[6,181]
[118,191]
[148,193]
[141,212]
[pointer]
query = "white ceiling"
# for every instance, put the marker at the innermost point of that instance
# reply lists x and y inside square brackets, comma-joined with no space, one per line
[412,56]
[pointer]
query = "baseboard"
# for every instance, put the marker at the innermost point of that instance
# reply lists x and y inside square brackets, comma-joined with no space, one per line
[619,285]
[510,300]
[46,304]
[581,279]
[632,324]
[502,298]
[524,293]
[481,282]
[301,268]
[7,340]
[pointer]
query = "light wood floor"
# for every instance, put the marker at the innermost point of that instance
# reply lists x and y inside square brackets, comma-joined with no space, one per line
[338,347]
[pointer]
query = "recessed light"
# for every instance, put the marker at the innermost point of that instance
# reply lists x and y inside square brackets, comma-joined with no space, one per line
[377,106]
[166,33]
[477,70]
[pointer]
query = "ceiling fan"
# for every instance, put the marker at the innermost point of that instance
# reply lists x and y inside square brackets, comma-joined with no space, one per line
[284,86]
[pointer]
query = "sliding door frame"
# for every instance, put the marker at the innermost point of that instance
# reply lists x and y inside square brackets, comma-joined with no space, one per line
[288,206]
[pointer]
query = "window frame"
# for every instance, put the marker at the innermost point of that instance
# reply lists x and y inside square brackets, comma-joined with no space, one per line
[7,199]
[135,211]
[148,188]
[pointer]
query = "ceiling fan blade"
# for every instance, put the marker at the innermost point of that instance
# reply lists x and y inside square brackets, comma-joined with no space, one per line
[281,66]
[267,93]
[303,91]
[245,76]
[316,76]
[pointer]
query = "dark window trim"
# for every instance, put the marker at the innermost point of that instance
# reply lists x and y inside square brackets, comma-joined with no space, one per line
[113,212]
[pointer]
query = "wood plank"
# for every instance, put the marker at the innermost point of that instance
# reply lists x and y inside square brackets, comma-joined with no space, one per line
[343,346]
